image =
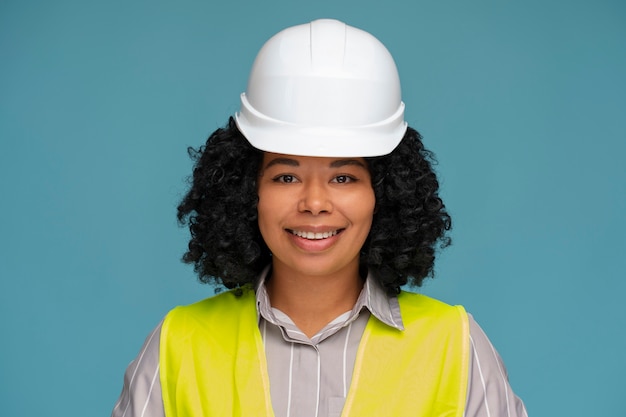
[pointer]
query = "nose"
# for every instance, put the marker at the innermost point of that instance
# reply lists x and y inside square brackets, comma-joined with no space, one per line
[315,199]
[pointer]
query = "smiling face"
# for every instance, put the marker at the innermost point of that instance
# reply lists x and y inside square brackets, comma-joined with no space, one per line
[314,213]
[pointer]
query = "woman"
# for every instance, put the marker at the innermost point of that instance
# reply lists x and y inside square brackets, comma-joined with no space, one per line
[314,206]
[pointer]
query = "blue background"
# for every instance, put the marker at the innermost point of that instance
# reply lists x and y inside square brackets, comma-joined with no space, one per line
[524,104]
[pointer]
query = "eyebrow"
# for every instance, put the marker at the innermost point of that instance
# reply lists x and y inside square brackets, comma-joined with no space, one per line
[282,161]
[294,163]
[343,162]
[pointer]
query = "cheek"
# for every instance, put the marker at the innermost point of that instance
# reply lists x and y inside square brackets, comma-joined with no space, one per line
[362,207]
[264,201]
[263,214]
[269,208]
[368,201]
[366,208]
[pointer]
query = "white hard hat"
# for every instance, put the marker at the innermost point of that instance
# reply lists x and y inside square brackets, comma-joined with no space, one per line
[323,89]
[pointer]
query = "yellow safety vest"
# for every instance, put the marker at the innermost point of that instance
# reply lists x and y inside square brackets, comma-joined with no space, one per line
[212,361]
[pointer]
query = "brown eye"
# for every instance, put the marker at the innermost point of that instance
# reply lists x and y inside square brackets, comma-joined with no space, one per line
[342,179]
[286,179]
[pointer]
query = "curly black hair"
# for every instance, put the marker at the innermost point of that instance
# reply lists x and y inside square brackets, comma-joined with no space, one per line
[226,247]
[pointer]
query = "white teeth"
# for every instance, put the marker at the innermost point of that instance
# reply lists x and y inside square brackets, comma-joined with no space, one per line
[314,236]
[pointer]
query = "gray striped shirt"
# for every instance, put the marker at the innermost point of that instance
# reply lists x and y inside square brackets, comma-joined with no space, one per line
[311,377]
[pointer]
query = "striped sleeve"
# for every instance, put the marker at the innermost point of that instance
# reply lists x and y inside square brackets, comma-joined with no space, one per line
[489,393]
[141,393]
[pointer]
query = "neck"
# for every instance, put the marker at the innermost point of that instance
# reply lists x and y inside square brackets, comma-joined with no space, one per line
[313,301]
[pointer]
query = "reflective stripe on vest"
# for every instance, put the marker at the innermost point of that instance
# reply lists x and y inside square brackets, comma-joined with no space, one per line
[212,361]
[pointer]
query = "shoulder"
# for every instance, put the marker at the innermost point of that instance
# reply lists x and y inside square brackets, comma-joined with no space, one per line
[212,320]
[489,390]
[419,307]
[219,307]
[141,392]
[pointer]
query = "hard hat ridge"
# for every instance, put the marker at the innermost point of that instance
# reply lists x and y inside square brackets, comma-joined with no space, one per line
[323,89]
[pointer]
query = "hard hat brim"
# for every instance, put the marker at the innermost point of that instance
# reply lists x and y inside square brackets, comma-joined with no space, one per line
[272,135]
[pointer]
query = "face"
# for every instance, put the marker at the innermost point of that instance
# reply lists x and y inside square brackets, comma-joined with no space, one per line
[315,213]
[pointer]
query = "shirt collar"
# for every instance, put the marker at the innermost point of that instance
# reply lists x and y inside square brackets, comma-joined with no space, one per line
[372,296]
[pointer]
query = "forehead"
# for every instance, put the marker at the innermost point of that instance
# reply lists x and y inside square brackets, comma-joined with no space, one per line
[272,159]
